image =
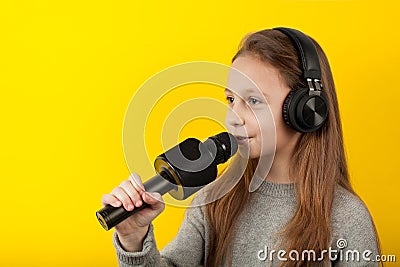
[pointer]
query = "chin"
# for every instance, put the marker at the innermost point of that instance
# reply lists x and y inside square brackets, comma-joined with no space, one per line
[245,153]
[254,153]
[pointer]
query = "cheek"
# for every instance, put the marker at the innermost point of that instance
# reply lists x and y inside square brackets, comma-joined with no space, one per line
[283,132]
[266,131]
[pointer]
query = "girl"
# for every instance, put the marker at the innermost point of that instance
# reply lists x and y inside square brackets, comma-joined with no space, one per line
[304,213]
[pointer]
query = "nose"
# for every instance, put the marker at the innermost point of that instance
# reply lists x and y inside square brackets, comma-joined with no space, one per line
[234,118]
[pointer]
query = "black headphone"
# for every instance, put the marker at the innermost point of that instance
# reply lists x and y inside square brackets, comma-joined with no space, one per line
[305,109]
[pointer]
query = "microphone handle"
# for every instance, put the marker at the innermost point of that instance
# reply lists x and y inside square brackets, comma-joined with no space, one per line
[110,216]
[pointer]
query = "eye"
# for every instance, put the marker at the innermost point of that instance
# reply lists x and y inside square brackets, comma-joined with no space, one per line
[254,101]
[230,99]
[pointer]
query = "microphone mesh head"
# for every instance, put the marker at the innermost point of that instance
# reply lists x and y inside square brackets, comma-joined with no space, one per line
[228,143]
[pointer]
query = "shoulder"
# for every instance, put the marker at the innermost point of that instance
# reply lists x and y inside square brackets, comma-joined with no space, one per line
[352,221]
[348,207]
[199,199]
[196,210]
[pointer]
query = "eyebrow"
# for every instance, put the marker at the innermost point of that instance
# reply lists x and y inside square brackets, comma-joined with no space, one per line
[249,90]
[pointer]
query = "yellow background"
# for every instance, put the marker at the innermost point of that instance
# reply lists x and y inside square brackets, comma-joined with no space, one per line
[68,70]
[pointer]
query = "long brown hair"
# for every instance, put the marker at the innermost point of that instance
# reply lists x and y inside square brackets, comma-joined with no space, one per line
[318,162]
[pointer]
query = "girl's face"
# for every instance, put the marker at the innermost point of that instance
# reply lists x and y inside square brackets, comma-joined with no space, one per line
[255,108]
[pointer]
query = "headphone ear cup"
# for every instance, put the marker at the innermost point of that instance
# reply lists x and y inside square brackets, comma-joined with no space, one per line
[285,108]
[312,111]
[289,108]
[304,113]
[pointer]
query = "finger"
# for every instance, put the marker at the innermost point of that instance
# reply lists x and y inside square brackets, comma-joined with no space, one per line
[110,199]
[152,198]
[131,192]
[157,204]
[122,196]
[137,182]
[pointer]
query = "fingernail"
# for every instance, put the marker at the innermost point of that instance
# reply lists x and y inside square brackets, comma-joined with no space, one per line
[139,203]
[130,206]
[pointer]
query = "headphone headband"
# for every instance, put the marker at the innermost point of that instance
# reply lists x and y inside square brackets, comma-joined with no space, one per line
[306,50]
[305,109]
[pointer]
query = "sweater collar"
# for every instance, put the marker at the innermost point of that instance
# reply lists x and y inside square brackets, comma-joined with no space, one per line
[276,189]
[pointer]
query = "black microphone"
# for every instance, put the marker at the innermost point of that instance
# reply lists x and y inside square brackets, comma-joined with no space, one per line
[181,171]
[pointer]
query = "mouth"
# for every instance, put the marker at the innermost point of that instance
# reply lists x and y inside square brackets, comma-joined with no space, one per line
[242,139]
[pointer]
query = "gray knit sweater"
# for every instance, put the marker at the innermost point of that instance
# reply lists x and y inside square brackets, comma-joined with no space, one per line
[269,208]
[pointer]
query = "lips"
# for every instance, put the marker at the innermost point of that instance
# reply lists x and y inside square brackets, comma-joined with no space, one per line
[242,139]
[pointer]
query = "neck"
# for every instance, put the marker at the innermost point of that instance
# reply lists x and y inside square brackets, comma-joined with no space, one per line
[279,172]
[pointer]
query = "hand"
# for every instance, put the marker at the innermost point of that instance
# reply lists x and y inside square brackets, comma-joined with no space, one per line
[131,193]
